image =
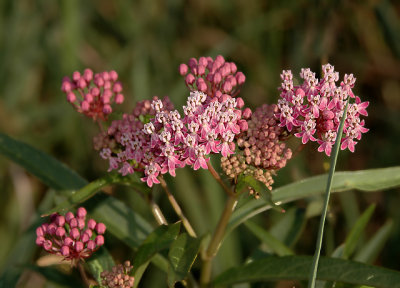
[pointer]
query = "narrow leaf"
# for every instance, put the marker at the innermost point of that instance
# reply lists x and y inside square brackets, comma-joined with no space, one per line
[100,261]
[182,254]
[49,170]
[355,233]
[297,267]
[158,240]
[273,244]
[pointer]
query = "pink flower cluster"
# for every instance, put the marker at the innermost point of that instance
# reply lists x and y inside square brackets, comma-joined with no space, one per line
[91,94]
[213,77]
[70,236]
[168,141]
[313,110]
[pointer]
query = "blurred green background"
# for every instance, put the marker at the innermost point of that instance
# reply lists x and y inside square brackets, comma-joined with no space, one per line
[145,41]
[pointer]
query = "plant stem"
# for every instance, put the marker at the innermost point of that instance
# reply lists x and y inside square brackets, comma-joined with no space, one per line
[216,240]
[314,267]
[83,274]
[219,180]
[177,208]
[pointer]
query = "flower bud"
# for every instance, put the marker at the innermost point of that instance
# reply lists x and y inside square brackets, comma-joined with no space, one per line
[100,228]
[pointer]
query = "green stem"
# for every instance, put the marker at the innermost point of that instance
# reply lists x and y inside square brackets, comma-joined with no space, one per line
[314,268]
[157,213]
[177,208]
[83,274]
[219,180]
[216,240]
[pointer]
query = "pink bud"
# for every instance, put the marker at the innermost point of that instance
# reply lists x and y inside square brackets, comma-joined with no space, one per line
[95,91]
[183,69]
[203,61]
[189,79]
[85,238]
[76,76]
[88,75]
[40,240]
[68,241]
[47,245]
[233,67]
[71,97]
[66,86]
[52,229]
[217,78]
[78,246]
[81,83]
[100,228]
[60,232]
[74,233]
[113,75]
[202,87]
[300,92]
[243,125]
[73,223]
[107,94]
[99,240]
[91,224]
[99,81]
[117,88]
[53,217]
[328,115]
[119,99]
[64,251]
[60,220]
[107,85]
[240,78]
[105,76]
[192,62]
[91,245]
[328,125]
[227,87]
[39,231]
[224,97]
[201,70]
[81,223]
[246,113]
[89,232]
[218,94]
[220,59]
[232,80]
[81,212]
[89,98]
[239,102]
[45,227]
[107,109]
[85,105]
[69,216]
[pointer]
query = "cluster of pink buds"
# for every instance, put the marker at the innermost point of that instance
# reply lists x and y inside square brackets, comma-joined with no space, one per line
[71,236]
[213,77]
[169,141]
[313,110]
[93,95]
[118,277]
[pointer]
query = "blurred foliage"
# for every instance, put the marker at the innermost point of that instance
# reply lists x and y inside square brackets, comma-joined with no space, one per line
[145,41]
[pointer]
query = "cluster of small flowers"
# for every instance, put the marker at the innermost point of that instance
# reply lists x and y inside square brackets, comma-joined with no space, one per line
[313,110]
[261,149]
[118,277]
[70,236]
[91,94]
[213,77]
[168,142]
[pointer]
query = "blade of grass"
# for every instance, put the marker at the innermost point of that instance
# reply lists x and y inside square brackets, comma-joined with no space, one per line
[336,147]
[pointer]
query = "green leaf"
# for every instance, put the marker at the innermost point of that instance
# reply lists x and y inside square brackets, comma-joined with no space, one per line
[88,191]
[245,181]
[355,233]
[49,170]
[289,228]
[100,261]
[369,252]
[182,254]
[363,180]
[273,244]
[160,239]
[297,268]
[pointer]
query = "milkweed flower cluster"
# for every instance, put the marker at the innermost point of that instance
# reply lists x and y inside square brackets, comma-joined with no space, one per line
[118,277]
[71,236]
[262,150]
[213,77]
[313,110]
[168,141]
[93,94]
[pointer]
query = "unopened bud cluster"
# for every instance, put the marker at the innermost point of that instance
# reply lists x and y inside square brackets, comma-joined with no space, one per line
[118,277]
[93,94]
[71,236]
[261,149]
